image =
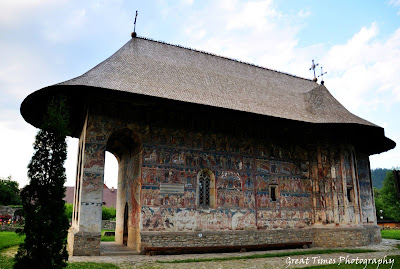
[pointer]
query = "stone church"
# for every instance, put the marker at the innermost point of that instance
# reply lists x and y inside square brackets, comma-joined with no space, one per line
[214,153]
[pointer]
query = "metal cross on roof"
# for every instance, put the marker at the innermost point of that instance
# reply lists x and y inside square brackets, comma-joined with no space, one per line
[322,76]
[313,68]
[134,26]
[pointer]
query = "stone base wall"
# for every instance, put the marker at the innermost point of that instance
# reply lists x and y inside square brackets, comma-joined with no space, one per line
[320,237]
[83,244]
[9,228]
[347,237]
[108,224]
[6,210]
[228,238]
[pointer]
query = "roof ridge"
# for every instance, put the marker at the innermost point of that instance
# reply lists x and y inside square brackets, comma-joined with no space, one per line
[220,56]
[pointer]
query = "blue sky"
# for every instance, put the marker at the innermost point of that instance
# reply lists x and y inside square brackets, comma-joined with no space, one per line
[44,42]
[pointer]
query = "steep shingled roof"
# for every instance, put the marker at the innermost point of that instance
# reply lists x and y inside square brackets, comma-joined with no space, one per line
[156,71]
[153,68]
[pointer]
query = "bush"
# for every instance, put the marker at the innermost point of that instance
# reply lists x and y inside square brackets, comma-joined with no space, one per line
[68,210]
[109,213]
[9,192]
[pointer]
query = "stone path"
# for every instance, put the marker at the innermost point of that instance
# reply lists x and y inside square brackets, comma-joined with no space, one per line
[126,258]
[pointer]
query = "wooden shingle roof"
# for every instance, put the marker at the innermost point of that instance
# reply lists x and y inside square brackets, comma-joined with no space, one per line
[157,70]
[153,68]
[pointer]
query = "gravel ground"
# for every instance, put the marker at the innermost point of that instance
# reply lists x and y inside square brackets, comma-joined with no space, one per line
[385,248]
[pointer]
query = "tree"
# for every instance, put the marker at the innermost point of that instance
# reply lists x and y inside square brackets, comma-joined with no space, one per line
[387,200]
[378,175]
[9,192]
[46,223]
[379,205]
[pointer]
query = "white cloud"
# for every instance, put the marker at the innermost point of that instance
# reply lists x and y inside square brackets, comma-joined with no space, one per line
[304,13]
[187,2]
[255,15]
[16,12]
[248,31]
[363,72]
[395,3]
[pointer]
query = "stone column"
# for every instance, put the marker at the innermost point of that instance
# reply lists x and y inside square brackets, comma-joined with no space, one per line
[84,235]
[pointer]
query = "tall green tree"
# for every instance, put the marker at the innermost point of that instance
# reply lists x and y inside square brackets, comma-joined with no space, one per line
[46,224]
[9,192]
[387,200]
[378,175]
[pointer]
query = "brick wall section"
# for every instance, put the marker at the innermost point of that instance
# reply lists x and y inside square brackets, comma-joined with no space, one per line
[321,237]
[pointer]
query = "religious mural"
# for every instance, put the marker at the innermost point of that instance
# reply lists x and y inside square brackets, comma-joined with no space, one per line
[366,190]
[309,184]
[243,169]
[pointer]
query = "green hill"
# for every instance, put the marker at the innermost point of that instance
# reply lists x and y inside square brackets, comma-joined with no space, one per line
[378,176]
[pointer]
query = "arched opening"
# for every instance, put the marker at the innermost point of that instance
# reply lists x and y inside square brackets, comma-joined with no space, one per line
[126,146]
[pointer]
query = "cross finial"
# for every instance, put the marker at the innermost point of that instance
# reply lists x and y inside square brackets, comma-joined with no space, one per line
[313,68]
[134,26]
[322,76]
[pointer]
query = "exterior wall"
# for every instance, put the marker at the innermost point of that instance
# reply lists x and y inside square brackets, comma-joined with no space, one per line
[347,236]
[244,171]
[85,232]
[227,238]
[366,190]
[320,237]
[317,187]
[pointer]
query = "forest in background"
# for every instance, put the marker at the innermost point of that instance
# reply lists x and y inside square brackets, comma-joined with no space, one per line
[378,176]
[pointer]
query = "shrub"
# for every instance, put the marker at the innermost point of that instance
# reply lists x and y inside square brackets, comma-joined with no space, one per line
[46,224]
[109,213]
[68,210]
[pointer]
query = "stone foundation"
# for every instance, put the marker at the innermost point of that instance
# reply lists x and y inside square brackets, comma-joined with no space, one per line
[321,237]
[6,210]
[108,224]
[83,244]
[347,237]
[228,238]
[88,244]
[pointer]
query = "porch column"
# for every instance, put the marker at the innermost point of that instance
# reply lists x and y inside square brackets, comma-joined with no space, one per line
[84,235]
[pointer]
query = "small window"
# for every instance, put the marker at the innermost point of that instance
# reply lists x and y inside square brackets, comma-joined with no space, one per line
[204,189]
[272,191]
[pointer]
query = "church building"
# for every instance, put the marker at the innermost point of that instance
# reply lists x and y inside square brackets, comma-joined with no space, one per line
[214,153]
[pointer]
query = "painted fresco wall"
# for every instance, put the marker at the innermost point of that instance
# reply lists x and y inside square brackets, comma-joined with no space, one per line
[327,186]
[310,183]
[366,201]
[244,170]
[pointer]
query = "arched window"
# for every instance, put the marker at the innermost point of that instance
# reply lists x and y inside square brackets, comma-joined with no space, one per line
[204,189]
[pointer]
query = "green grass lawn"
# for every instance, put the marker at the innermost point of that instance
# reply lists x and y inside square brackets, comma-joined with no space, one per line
[107,238]
[390,234]
[10,239]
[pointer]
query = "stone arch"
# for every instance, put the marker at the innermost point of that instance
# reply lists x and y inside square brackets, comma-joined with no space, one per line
[207,172]
[126,146]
